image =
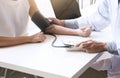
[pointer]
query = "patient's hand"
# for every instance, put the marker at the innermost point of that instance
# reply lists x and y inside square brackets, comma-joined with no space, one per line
[84,31]
[38,37]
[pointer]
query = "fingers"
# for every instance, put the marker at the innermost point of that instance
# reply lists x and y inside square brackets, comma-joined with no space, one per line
[50,29]
[39,37]
[42,37]
[85,46]
[53,20]
[57,21]
[86,28]
[77,45]
[92,46]
[83,28]
[85,31]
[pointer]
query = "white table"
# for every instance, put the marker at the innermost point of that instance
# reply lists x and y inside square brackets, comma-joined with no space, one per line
[44,60]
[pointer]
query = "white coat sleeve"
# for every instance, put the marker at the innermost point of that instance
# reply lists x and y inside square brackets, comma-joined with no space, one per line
[98,20]
[112,48]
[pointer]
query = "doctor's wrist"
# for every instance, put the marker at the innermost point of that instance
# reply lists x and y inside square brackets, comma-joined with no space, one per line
[62,23]
[104,47]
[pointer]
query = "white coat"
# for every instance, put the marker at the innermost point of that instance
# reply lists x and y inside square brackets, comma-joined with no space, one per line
[108,12]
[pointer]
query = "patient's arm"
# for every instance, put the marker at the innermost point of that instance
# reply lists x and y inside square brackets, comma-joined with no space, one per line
[57,29]
[12,41]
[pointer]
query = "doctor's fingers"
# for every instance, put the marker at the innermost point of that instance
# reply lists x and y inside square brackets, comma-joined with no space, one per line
[87,48]
[54,20]
[84,43]
[88,44]
[50,27]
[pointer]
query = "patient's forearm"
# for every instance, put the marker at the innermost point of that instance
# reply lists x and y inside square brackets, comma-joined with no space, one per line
[11,41]
[55,29]
[66,31]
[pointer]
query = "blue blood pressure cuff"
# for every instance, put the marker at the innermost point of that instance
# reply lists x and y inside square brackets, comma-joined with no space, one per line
[40,21]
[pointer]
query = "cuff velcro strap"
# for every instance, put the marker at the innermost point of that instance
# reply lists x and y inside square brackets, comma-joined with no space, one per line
[40,21]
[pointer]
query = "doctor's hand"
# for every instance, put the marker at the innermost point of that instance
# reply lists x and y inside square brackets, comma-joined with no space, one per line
[57,21]
[91,46]
[38,37]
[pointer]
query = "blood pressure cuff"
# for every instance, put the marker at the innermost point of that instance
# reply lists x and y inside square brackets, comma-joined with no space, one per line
[40,21]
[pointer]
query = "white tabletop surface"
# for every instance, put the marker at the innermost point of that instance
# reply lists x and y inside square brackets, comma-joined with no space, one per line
[44,60]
